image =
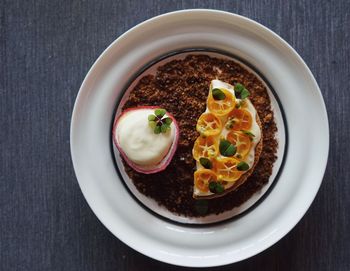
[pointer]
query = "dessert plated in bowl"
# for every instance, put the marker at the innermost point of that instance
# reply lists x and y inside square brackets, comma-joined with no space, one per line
[222,109]
[146,146]
[145,216]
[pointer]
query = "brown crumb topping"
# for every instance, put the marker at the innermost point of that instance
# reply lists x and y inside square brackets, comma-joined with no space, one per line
[181,87]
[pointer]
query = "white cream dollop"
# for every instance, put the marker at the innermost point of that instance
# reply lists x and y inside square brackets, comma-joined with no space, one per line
[138,141]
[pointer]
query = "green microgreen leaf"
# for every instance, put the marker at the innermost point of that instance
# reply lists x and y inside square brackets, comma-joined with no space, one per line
[167,120]
[241,91]
[239,87]
[157,129]
[248,133]
[151,117]
[152,124]
[245,93]
[159,112]
[205,162]
[216,187]
[219,188]
[230,151]
[218,94]
[226,148]
[158,123]
[212,187]
[164,128]
[242,166]
[224,144]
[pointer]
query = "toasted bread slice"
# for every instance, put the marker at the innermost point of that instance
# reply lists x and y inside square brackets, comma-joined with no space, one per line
[245,176]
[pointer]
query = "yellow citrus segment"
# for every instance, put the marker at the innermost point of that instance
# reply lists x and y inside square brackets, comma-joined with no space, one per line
[221,107]
[202,178]
[225,139]
[239,119]
[226,169]
[208,124]
[241,141]
[207,147]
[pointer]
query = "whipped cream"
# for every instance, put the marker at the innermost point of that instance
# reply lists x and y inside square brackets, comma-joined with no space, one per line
[138,140]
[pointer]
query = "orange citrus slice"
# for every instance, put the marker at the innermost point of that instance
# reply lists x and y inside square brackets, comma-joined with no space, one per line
[241,141]
[221,107]
[208,124]
[225,169]
[202,178]
[239,119]
[205,147]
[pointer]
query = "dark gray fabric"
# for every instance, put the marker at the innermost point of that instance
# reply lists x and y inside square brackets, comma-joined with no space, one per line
[47,47]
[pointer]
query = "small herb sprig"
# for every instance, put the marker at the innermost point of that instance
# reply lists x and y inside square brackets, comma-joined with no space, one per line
[242,166]
[158,123]
[218,94]
[216,187]
[241,91]
[226,148]
[205,162]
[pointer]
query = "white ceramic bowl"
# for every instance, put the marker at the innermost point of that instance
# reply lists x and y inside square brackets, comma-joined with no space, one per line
[233,240]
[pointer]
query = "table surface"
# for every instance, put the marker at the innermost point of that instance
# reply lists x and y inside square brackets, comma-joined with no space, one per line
[46,49]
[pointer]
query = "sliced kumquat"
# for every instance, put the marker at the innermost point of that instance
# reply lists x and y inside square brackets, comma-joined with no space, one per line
[202,178]
[226,169]
[208,124]
[206,147]
[241,141]
[221,107]
[239,119]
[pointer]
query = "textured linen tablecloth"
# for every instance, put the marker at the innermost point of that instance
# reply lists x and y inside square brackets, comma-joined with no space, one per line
[46,49]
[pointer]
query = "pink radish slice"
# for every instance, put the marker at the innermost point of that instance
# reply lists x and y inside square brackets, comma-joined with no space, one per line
[166,159]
